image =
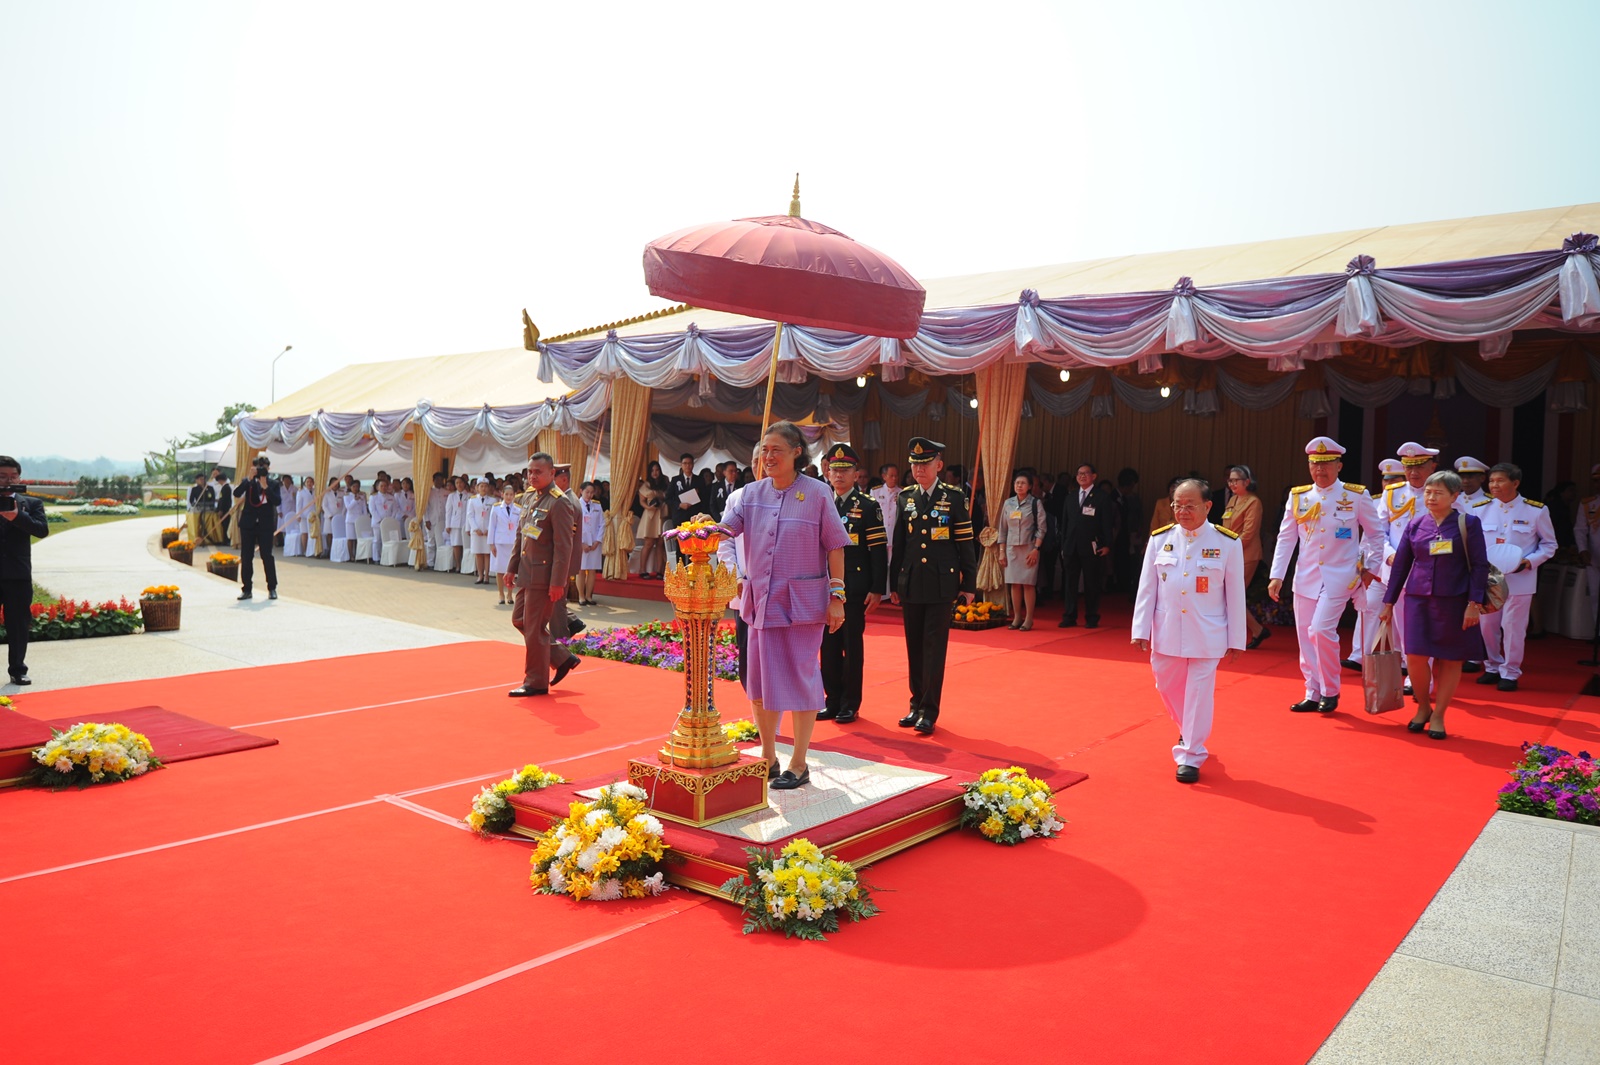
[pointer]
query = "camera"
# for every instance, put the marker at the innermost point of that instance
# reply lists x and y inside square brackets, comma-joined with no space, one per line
[8,495]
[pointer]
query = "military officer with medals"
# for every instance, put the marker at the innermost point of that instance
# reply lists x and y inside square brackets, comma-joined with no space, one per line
[1519,538]
[1473,474]
[866,580]
[1190,616]
[931,565]
[1398,507]
[1336,528]
[545,554]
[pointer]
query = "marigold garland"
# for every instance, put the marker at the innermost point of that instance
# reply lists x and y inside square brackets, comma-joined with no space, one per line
[491,812]
[1008,806]
[92,753]
[799,891]
[607,849]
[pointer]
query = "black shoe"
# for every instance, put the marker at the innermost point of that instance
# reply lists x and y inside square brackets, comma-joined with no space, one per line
[1067,623]
[773,772]
[564,668]
[1507,684]
[1350,663]
[925,726]
[844,717]
[1328,705]
[1488,677]
[576,627]
[1188,774]
[272,593]
[787,781]
[827,715]
[1095,624]
[1470,667]
[1418,724]
[21,682]
[1258,639]
[910,720]
[1437,734]
[1305,706]
[526,692]
[245,595]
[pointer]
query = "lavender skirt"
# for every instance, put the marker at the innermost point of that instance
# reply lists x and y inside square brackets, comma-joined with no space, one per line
[784,670]
[1433,628]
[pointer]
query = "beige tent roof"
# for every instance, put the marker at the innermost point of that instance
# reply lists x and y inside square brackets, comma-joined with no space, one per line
[504,378]
[1390,246]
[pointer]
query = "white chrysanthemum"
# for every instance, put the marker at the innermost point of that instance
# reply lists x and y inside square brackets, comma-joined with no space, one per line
[607,890]
[612,837]
[1025,831]
[624,789]
[655,883]
[568,845]
[63,765]
[648,823]
[593,816]
[558,879]
[587,857]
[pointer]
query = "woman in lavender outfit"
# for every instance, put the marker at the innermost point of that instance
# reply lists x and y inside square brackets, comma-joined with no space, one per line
[793,586]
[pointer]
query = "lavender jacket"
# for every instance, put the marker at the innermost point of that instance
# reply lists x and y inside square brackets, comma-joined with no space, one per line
[1421,573]
[787,536]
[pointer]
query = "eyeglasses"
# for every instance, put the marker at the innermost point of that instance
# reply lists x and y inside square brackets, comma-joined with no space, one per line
[1186,506]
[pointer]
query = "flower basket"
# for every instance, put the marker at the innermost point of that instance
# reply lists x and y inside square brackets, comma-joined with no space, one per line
[224,565]
[798,891]
[181,551]
[1008,806]
[611,848]
[169,536]
[92,753]
[161,615]
[491,813]
[978,614]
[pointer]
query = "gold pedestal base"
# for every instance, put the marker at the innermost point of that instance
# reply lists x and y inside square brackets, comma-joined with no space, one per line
[700,797]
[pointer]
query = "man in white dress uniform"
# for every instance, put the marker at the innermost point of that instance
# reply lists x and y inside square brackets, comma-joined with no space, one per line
[1520,539]
[1473,474]
[1397,481]
[1336,527]
[887,496]
[1189,614]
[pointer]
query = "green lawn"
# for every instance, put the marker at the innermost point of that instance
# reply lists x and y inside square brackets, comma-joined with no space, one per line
[78,521]
[42,595]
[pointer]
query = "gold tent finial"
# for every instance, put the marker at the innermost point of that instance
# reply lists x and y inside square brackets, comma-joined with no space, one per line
[794,201]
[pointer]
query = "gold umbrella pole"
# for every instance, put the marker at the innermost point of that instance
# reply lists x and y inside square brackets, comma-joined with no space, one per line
[772,380]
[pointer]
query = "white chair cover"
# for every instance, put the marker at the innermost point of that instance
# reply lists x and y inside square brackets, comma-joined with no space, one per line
[394,548]
[291,542]
[341,550]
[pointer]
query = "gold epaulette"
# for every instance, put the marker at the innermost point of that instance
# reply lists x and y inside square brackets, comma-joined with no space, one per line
[1225,531]
[1293,491]
[1164,528]
[1532,503]
[1355,487]
[1480,503]
[557,492]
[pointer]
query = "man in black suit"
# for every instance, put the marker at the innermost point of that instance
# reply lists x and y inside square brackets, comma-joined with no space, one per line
[678,511]
[931,566]
[21,518]
[727,481]
[866,579]
[1085,538]
[258,520]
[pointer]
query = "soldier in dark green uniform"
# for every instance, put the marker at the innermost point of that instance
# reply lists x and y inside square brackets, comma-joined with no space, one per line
[931,566]
[866,579]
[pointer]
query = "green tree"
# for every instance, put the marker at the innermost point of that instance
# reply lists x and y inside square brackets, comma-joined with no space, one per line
[225,423]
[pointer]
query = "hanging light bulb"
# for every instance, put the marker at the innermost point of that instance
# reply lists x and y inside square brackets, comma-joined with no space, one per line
[861,380]
[973,402]
[1165,391]
[1066,375]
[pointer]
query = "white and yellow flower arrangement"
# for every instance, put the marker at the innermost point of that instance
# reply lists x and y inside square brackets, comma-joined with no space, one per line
[93,753]
[1008,806]
[741,731]
[491,812]
[611,848]
[799,891]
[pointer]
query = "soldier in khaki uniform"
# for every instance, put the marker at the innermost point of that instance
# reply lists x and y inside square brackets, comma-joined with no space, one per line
[546,551]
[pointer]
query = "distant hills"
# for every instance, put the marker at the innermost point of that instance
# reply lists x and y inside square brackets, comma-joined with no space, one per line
[56,468]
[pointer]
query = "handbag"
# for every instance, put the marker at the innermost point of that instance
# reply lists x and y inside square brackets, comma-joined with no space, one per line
[1381,680]
[1495,590]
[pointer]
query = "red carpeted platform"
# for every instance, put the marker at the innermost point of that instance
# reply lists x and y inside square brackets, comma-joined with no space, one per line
[174,737]
[320,901]
[20,736]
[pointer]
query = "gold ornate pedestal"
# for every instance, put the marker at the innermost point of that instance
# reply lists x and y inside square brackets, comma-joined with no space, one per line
[701,777]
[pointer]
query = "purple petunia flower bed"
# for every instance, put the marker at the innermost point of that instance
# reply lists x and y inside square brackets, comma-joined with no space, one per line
[1550,782]
[660,645]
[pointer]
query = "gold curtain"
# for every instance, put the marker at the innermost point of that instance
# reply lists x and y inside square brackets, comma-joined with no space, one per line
[630,427]
[1000,391]
[575,453]
[321,453]
[424,460]
[243,455]
[548,441]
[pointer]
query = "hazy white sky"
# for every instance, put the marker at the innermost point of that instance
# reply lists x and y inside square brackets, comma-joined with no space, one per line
[187,187]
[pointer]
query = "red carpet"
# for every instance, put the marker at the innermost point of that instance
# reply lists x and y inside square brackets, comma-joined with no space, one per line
[174,737]
[1231,921]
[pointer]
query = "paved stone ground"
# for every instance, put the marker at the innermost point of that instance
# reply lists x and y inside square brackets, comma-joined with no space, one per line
[1503,967]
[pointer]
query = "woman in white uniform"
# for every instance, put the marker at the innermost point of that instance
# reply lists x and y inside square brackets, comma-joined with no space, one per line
[455,514]
[303,501]
[591,534]
[503,519]
[333,502]
[477,522]
[355,509]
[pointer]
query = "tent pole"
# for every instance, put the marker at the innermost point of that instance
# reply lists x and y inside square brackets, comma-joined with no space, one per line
[772,379]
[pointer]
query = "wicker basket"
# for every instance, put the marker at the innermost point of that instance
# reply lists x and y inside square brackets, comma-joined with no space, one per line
[186,557]
[161,615]
[229,572]
[169,537]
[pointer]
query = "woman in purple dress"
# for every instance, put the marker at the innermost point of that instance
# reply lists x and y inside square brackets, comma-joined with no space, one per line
[793,586]
[1443,566]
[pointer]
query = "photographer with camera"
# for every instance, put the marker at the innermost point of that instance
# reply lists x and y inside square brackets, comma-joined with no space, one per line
[258,520]
[21,519]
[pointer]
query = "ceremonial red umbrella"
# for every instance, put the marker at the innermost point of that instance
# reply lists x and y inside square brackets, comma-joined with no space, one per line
[788,269]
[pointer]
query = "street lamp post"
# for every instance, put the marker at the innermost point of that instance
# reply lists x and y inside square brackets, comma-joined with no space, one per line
[286,349]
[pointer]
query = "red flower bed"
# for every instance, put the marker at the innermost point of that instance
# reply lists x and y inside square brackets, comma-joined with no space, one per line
[68,620]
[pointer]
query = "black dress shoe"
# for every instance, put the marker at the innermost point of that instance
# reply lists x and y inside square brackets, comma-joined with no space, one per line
[1418,724]
[1305,706]
[244,595]
[21,682]
[576,627]
[1328,705]
[773,772]
[1095,624]
[1470,667]
[844,717]
[910,720]
[1350,663]
[1188,774]
[787,781]
[272,593]
[1067,623]
[1507,684]
[1258,639]
[564,668]
[1437,734]
[827,715]
[1488,678]
[525,692]
[925,726]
